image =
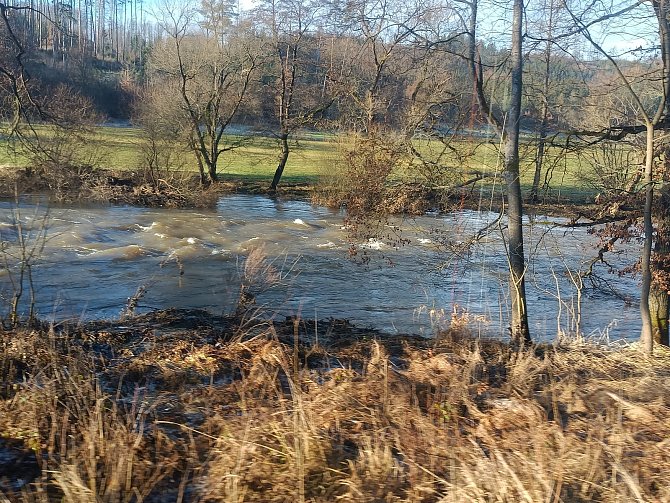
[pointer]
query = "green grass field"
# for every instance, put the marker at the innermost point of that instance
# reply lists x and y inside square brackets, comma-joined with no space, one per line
[256,159]
[315,155]
[566,174]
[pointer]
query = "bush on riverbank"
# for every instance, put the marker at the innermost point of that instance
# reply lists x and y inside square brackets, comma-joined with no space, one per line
[88,185]
[183,406]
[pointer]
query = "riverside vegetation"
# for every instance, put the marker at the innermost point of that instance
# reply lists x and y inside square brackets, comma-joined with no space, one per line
[113,167]
[184,406]
[187,406]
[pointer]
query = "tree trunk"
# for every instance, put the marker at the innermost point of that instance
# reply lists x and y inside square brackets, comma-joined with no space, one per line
[285,151]
[213,175]
[646,334]
[539,160]
[659,299]
[658,305]
[541,144]
[520,331]
[201,165]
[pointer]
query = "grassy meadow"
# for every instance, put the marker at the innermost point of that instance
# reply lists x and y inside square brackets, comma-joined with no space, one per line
[255,159]
[316,155]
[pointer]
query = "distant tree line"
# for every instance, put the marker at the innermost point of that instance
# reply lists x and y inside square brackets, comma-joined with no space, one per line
[107,43]
[105,29]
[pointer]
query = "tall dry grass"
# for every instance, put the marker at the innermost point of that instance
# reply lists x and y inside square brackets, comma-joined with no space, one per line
[194,412]
[89,445]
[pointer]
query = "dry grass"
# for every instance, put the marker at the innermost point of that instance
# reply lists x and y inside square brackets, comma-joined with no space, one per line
[85,184]
[181,407]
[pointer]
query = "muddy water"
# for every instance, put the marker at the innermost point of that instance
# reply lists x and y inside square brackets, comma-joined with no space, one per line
[94,259]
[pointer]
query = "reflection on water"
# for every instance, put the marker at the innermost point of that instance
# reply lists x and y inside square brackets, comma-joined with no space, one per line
[95,258]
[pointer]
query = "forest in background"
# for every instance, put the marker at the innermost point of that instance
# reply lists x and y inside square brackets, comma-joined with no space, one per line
[186,73]
[111,52]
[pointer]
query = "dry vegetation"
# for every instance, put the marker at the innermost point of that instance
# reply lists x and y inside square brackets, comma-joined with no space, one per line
[184,406]
[119,165]
[89,185]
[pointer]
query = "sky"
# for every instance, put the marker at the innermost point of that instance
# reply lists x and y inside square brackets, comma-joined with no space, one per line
[619,36]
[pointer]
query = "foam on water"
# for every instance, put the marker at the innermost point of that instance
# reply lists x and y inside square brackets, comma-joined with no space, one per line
[95,258]
[373,244]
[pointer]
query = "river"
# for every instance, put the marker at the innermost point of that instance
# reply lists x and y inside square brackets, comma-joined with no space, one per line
[95,258]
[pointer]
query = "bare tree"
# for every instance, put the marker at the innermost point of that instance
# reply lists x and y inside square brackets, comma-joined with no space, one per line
[210,77]
[14,78]
[65,115]
[509,126]
[300,82]
[390,88]
[654,117]
[549,12]
[217,17]
[377,36]
[517,261]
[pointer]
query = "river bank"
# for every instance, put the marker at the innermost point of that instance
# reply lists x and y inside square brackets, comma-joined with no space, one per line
[105,186]
[186,406]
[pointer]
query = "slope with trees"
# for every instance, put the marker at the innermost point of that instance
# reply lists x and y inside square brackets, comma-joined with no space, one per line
[209,75]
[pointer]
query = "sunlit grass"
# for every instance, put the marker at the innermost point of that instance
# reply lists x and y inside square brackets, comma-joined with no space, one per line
[562,171]
[316,154]
[255,158]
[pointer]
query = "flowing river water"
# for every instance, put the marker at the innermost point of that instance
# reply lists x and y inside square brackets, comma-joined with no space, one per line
[94,259]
